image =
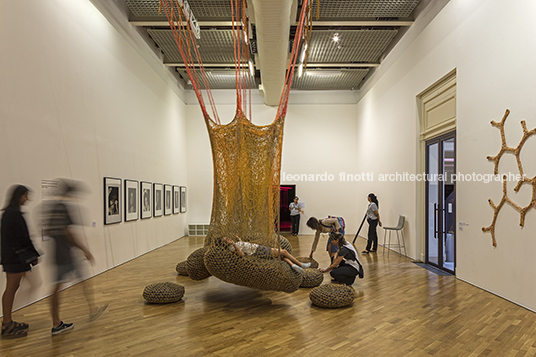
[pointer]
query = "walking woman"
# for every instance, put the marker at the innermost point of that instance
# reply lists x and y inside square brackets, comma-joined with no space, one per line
[18,256]
[373,219]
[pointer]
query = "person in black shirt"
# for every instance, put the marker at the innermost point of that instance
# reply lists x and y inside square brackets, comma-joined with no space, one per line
[18,256]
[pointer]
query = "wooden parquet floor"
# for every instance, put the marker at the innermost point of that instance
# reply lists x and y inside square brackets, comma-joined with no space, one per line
[401,309]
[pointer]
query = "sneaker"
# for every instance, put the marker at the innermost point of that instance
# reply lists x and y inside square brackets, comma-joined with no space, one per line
[305,265]
[297,268]
[63,327]
[98,312]
[14,329]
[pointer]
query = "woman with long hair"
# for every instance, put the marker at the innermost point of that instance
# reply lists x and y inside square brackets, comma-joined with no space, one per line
[373,219]
[345,267]
[18,256]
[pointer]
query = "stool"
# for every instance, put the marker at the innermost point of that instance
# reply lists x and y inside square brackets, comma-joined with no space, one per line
[332,296]
[181,268]
[163,293]
[311,278]
[399,229]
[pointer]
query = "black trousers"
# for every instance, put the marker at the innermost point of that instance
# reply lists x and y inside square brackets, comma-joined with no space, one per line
[344,273]
[295,222]
[372,235]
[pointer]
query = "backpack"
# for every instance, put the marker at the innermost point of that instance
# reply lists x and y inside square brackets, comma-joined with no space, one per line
[341,223]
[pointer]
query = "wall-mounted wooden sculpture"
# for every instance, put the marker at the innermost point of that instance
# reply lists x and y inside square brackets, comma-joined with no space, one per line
[532,181]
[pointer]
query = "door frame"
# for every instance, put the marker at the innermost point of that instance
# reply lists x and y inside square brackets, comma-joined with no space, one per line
[441,224]
[435,99]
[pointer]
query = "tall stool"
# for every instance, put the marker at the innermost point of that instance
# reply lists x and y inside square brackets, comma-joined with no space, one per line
[399,234]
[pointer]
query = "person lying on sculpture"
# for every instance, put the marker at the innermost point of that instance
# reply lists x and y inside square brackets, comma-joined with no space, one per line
[242,248]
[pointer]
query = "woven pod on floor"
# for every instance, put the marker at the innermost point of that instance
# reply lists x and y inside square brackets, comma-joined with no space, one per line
[332,295]
[163,293]
[311,277]
[285,244]
[251,271]
[195,265]
[314,263]
[181,268]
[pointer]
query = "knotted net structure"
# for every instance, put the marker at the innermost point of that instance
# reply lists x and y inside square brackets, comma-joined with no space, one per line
[246,161]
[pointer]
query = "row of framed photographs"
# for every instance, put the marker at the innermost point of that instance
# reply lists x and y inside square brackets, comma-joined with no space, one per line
[141,200]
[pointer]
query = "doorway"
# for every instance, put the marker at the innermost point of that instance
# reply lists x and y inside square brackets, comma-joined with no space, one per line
[441,202]
[286,196]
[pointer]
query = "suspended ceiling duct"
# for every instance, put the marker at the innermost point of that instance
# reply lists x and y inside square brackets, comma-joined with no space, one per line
[272,22]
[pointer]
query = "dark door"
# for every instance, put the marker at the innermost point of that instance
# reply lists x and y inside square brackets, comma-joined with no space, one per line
[441,202]
[286,196]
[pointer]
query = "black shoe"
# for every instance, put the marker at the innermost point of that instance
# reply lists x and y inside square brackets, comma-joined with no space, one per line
[63,327]
[361,272]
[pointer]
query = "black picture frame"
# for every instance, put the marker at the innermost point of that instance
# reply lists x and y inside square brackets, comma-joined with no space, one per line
[176,199]
[168,200]
[132,200]
[112,200]
[146,199]
[183,199]
[158,199]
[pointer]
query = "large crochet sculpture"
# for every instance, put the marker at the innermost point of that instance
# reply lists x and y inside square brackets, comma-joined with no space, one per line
[246,160]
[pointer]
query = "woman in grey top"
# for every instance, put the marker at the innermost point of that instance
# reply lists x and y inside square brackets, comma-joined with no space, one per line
[373,219]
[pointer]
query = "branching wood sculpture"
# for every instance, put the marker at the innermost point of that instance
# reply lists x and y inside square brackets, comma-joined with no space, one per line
[524,179]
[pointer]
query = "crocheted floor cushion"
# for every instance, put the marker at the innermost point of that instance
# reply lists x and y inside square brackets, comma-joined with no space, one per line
[181,268]
[311,277]
[163,293]
[251,271]
[314,263]
[332,295]
[285,244]
[195,265]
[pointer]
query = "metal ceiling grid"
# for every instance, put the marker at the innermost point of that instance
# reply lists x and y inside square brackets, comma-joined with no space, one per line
[365,8]
[217,79]
[354,46]
[215,46]
[345,80]
[202,9]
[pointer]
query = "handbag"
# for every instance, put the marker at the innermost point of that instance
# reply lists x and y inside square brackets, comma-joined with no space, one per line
[26,255]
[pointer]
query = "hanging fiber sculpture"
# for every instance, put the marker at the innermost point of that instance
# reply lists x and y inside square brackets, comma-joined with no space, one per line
[246,160]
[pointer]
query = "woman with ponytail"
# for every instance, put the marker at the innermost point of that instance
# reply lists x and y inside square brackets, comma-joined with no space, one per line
[373,219]
[345,267]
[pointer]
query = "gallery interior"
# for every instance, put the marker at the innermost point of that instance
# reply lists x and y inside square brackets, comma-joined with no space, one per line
[439,122]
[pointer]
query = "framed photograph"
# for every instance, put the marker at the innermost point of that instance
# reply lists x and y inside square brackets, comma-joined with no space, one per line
[183,199]
[168,200]
[132,200]
[146,199]
[158,199]
[112,200]
[176,200]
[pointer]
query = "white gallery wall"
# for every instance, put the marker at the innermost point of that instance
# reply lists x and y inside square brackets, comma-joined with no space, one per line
[77,101]
[486,42]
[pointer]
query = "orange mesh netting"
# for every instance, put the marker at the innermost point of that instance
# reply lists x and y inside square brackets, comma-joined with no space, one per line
[247,162]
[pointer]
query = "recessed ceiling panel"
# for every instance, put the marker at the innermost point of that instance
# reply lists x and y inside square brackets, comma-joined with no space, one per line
[218,79]
[328,79]
[331,9]
[215,46]
[355,46]
[202,9]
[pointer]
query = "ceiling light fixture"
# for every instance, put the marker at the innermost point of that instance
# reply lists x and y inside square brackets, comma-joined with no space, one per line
[251,69]
[304,51]
[300,70]
[335,37]
[323,73]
